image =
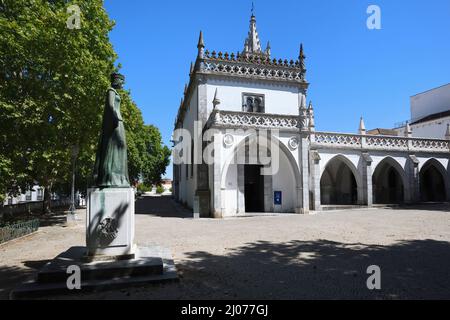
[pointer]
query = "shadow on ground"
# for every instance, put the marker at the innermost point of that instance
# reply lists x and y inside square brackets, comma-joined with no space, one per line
[161,206]
[418,269]
[322,270]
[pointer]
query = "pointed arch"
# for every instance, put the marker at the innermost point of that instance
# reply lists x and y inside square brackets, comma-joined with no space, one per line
[389,182]
[340,182]
[434,182]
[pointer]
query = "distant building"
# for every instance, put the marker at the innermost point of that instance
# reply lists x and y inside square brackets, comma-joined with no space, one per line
[35,194]
[430,114]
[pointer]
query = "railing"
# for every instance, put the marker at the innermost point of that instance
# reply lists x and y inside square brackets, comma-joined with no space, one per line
[369,142]
[232,119]
[17,230]
[285,72]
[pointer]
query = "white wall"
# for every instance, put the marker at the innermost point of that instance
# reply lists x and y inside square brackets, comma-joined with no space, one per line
[435,129]
[430,102]
[284,181]
[279,99]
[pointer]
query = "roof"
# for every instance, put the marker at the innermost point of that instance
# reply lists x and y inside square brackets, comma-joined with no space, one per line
[434,116]
[382,132]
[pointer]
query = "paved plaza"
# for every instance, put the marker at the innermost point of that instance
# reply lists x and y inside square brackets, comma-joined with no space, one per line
[324,255]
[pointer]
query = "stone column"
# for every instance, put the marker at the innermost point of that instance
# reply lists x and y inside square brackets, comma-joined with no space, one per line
[217,169]
[315,181]
[304,173]
[413,177]
[240,189]
[202,193]
[366,174]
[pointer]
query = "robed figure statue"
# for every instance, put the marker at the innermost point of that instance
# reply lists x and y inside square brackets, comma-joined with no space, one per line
[111,164]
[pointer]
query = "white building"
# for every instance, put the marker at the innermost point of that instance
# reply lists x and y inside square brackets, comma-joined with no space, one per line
[35,194]
[248,113]
[430,113]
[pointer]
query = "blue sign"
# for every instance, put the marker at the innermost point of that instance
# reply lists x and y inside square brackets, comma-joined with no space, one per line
[277,198]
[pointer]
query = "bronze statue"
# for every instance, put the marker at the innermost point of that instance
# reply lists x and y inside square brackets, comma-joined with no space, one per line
[111,164]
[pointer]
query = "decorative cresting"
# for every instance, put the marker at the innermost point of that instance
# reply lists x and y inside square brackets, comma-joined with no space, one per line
[231,119]
[352,141]
[251,66]
[337,139]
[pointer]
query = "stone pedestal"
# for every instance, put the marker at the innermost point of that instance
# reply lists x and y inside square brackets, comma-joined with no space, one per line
[110,223]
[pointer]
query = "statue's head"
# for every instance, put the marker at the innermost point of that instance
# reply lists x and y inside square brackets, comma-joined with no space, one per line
[117,80]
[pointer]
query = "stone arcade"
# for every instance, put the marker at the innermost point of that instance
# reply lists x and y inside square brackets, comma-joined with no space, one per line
[240,95]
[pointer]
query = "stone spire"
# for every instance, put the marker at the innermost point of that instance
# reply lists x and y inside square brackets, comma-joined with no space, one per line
[268,49]
[216,100]
[362,127]
[301,59]
[201,45]
[303,113]
[408,131]
[447,134]
[252,44]
[312,123]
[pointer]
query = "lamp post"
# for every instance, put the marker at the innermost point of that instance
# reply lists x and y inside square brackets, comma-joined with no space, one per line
[72,215]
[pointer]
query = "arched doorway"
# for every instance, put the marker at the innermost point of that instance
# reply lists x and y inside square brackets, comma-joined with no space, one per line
[338,185]
[387,180]
[244,189]
[432,183]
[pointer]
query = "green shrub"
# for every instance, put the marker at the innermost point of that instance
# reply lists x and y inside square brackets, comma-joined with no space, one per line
[144,188]
[160,189]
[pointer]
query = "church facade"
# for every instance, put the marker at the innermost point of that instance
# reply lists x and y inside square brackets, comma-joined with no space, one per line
[245,142]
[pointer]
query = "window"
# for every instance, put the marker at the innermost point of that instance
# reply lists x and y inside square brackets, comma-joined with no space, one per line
[28,196]
[40,194]
[253,102]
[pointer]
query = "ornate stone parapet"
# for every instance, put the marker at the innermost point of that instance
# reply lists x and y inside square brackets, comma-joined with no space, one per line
[251,67]
[371,142]
[232,119]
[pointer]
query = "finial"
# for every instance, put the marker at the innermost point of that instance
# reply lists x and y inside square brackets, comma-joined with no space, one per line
[447,134]
[201,45]
[312,124]
[301,59]
[253,8]
[362,126]
[408,131]
[268,49]
[302,102]
[191,70]
[216,100]
[185,88]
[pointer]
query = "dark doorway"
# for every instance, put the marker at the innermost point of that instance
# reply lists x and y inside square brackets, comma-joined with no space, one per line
[432,186]
[387,184]
[254,188]
[338,184]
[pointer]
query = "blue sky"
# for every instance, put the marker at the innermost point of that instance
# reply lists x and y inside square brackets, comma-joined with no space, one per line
[353,71]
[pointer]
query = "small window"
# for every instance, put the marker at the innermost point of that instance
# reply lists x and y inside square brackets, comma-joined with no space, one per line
[28,196]
[253,102]
[40,194]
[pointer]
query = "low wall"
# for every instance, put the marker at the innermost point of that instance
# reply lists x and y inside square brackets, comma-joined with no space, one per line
[31,207]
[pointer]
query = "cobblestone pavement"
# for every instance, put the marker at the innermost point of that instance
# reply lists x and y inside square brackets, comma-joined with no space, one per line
[324,255]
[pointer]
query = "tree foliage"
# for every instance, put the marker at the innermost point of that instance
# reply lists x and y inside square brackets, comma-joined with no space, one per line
[52,85]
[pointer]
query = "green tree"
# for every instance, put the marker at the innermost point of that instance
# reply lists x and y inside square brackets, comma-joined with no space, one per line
[52,79]
[52,89]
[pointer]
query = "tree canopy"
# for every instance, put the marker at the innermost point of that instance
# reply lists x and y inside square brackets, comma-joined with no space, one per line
[53,81]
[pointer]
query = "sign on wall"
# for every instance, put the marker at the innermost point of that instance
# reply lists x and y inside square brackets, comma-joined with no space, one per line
[278,198]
